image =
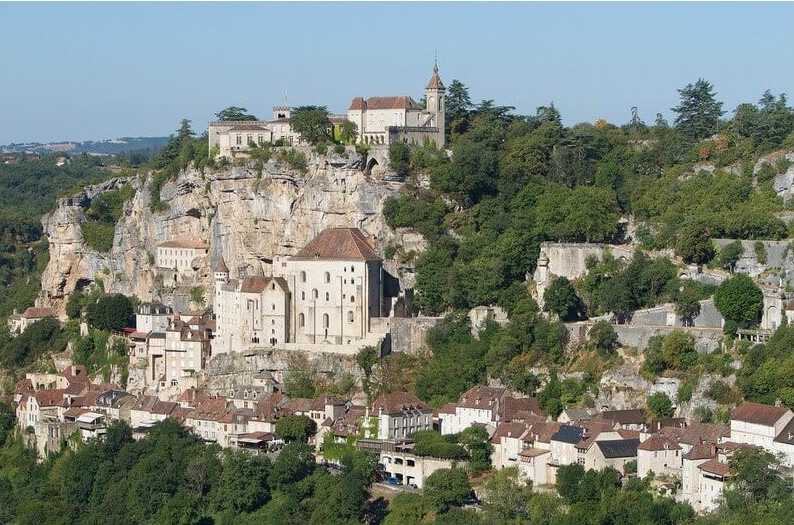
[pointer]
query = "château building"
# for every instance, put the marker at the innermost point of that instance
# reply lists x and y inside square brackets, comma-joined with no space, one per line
[327,295]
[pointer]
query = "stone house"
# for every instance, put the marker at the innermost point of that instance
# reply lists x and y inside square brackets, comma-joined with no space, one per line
[19,323]
[233,139]
[386,120]
[407,468]
[486,406]
[178,255]
[399,414]
[770,427]
[661,455]
[613,453]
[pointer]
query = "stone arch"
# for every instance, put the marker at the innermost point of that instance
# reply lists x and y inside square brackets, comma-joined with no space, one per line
[371,163]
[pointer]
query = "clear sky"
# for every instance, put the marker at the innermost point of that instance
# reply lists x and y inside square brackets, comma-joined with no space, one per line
[93,71]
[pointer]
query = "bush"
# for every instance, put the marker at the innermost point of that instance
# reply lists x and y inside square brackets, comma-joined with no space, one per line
[560,298]
[739,300]
[98,236]
[446,488]
[295,159]
[760,251]
[659,405]
[730,254]
[400,159]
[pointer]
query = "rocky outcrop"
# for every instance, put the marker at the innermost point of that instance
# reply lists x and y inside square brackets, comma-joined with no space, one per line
[245,215]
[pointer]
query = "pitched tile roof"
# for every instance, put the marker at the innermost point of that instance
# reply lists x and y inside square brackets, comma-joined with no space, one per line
[508,430]
[757,413]
[713,466]
[659,442]
[482,397]
[220,266]
[339,243]
[397,403]
[635,416]
[435,80]
[38,313]
[49,398]
[618,448]
[513,406]
[701,451]
[258,284]
[787,434]
[399,102]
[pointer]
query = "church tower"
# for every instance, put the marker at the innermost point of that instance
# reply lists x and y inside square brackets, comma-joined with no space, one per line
[434,94]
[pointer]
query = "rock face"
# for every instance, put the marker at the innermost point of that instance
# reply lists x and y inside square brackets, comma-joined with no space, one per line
[246,216]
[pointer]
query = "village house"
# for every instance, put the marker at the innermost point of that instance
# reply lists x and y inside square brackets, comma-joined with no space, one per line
[399,415]
[400,463]
[769,427]
[486,406]
[613,453]
[175,258]
[18,323]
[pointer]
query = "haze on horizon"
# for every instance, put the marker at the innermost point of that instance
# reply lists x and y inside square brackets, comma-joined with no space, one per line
[96,71]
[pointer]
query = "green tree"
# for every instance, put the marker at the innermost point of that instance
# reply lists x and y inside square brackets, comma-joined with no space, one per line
[110,312]
[447,488]
[659,405]
[295,428]
[603,337]
[400,159]
[243,485]
[294,463]
[561,298]
[687,302]
[739,300]
[698,112]
[458,106]
[506,497]
[312,123]
[366,359]
[234,113]
[477,443]
[406,509]
[7,419]
[758,477]
[693,243]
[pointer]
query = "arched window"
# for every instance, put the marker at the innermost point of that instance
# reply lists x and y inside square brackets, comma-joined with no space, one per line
[274,307]
[352,268]
[352,298]
[326,321]
[301,320]
[303,296]
[303,277]
[327,296]
[350,316]
[327,277]
[315,293]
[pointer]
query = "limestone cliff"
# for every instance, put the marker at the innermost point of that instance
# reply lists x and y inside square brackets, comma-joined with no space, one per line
[245,215]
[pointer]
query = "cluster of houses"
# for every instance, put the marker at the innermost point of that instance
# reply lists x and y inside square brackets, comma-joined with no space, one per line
[688,460]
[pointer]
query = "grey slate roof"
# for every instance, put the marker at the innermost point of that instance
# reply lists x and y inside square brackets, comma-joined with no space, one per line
[568,434]
[618,448]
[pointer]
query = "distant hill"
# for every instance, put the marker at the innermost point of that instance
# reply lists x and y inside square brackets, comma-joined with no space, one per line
[91,147]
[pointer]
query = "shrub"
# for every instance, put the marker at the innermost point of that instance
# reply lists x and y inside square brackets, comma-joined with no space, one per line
[739,300]
[560,298]
[110,312]
[760,251]
[659,405]
[603,337]
[98,236]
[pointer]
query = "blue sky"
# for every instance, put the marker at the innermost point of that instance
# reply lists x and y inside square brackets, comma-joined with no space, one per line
[92,71]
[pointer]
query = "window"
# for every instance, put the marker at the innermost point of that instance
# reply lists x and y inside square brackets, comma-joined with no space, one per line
[327,277]
[239,140]
[352,298]
[303,277]
[301,320]
[327,296]
[326,321]
[273,307]
[352,268]
[350,316]
[315,293]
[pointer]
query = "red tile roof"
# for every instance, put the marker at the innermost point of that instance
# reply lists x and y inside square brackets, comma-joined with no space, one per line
[400,102]
[38,313]
[435,80]
[659,442]
[339,243]
[758,414]
[701,451]
[258,284]
[508,430]
[512,406]
[49,398]
[713,466]
[397,402]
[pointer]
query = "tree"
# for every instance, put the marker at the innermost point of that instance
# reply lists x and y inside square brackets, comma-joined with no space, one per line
[406,509]
[475,441]
[698,112]
[687,302]
[659,405]
[739,300]
[294,463]
[242,486]
[758,477]
[561,298]
[7,419]
[693,243]
[234,113]
[505,496]
[295,428]
[312,123]
[366,359]
[400,159]
[569,477]
[110,312]
[603,337]
[446,488]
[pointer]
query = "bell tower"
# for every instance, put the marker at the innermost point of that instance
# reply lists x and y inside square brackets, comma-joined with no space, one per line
[434,94]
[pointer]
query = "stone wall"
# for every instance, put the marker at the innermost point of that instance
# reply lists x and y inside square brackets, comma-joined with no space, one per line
[637,336]
[408,333]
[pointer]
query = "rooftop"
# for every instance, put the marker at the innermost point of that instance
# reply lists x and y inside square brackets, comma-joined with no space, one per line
[195,244]
[339,243]
[758,414]
[618,448]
